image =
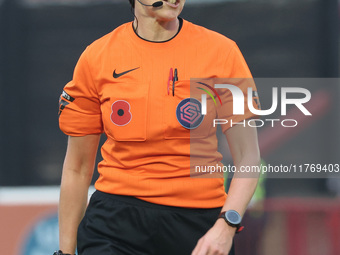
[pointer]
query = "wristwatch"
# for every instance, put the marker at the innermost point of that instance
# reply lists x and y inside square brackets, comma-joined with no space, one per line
[233,219]
[60,253]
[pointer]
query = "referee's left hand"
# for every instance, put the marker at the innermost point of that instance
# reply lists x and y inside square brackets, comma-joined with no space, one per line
[217,241]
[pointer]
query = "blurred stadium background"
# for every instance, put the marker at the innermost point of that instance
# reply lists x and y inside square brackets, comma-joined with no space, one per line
[40,42]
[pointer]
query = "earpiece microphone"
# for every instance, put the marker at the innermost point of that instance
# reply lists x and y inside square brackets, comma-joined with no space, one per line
[155,4]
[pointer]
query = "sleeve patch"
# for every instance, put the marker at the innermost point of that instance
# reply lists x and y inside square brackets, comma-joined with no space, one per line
[67,96]
[62,104]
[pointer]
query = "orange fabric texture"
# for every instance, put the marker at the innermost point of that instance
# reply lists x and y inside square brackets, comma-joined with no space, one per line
[120,87]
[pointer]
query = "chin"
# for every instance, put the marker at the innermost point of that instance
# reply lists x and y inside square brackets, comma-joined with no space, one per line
[170,14]
[167,17]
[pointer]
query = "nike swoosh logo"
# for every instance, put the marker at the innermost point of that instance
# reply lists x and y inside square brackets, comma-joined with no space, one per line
[117,75]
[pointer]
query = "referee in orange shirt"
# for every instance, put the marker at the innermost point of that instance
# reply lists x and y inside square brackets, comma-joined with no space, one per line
[133,84]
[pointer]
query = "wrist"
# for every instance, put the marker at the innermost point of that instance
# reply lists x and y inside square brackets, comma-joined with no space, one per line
[227,229]
[232,219]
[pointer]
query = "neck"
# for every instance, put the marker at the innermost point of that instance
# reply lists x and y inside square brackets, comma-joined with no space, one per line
[154,30]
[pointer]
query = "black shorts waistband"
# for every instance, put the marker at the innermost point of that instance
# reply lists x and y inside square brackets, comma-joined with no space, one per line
[139,202]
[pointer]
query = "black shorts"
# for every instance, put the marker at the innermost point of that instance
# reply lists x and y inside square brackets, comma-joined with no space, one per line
[122,225]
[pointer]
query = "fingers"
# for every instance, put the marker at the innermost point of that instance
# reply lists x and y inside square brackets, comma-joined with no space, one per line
[204,247]
[197,248]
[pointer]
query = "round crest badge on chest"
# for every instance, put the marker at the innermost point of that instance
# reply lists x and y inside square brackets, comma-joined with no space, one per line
[189,113]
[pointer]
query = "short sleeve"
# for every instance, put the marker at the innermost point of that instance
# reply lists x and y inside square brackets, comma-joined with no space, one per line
[79,104]
[242,83]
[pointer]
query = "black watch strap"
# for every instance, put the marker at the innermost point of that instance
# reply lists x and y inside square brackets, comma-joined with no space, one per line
[61,253]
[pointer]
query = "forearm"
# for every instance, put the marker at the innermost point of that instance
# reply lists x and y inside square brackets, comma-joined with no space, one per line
[72,205]
[241,190]
[245,152]
[76,178]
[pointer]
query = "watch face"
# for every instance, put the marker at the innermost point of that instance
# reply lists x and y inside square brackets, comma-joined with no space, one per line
[233,217]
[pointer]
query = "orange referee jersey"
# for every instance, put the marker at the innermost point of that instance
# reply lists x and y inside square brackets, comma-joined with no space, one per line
[122,86]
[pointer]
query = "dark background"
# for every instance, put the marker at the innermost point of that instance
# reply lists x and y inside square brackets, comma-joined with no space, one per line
[40,45]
